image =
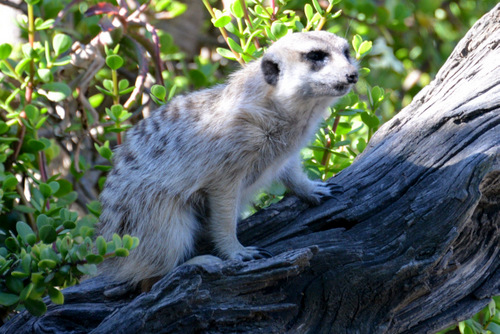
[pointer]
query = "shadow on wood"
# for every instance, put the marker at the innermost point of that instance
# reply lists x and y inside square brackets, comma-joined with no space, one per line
[410,246]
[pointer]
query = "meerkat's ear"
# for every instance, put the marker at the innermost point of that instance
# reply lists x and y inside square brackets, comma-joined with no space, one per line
[270,68]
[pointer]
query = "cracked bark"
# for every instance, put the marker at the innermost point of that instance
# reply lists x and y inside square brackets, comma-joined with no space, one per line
[411,246]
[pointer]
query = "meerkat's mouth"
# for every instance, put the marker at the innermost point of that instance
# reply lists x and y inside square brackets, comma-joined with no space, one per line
[341,87]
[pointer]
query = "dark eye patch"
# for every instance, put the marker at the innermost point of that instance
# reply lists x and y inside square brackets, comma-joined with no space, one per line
[347,54]
[316,56]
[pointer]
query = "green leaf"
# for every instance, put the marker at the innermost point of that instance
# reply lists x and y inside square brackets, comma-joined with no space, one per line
[114,62]
[104,151]
[42,25]
[116,111]
[45,74]
[377,93]
[65,187]
[39,124]
[95,208]
[103,168]
[26,263]
[47,264]
[494,328]
[6,70]
[55,295]
[3,127]
[135,243]
[14,284]
[159,91]
[226,53]
[19,274]
[96,100]
[171,93]
[68,224]
[94,259]
[43,220]
[35,306]
[65,270]
[54,185]
[316,17]
[336,14]
[5,51]
[61,43]
[108,84]
[56,91]
[32,112]
[371,120]
[317,7]
[26,233]
[176,8]
[222,21]
[45,190]
[237,9]
[364,71]
[126,90]
[123,84]
[11,244]
[8,299]
[492,307]
[279,29]
[117,241]
[308,10]
[32,2]
[29,52]
[49,254]
[364,48]
[101,245]
[26,291]
[9,182]
[20,67]
[127,241]
[87,269]
[198,78]
[121,252]
[356,42]
[234,46]
[48,234]
[35,145]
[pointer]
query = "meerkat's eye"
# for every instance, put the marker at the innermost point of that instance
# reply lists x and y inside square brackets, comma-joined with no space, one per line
[316,56]
[347,54]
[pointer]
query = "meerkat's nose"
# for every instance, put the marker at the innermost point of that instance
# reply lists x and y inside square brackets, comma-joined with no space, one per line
[352,78]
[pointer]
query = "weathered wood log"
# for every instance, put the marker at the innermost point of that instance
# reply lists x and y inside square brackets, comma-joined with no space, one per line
[410,246]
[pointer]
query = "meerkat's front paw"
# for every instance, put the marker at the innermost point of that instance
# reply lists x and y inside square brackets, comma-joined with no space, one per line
[250,253]
[320,191]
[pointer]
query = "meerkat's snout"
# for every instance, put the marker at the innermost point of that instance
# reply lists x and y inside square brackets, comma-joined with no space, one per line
[352,78]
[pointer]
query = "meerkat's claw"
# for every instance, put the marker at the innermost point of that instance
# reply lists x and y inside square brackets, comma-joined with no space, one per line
[335,188]
[264,253]
[251,253]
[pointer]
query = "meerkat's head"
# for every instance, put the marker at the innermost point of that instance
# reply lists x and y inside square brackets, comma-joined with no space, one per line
[310,65]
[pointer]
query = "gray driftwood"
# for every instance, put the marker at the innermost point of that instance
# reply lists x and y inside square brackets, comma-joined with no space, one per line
[411,246]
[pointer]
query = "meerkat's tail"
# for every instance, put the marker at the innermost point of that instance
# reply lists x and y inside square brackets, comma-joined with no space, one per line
[166,233]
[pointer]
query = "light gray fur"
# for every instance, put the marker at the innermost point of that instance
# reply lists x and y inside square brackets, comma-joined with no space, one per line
[208,152]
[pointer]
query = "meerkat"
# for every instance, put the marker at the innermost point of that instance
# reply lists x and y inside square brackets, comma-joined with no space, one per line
[206,153]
